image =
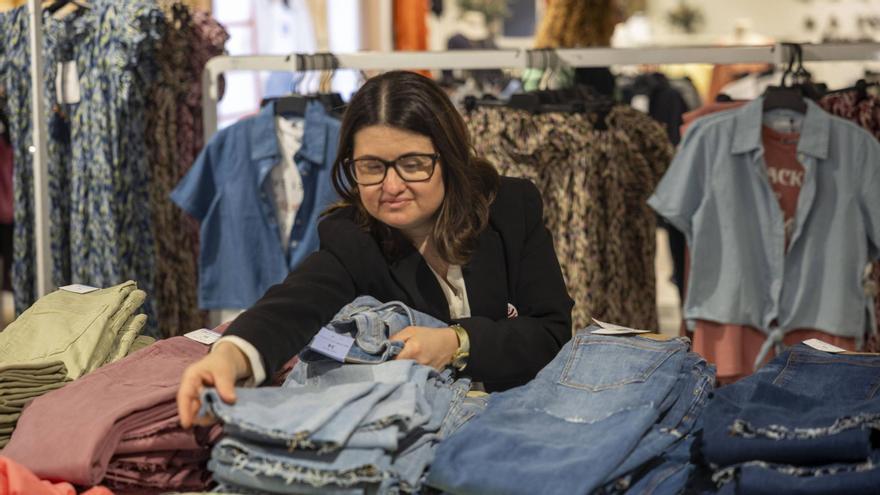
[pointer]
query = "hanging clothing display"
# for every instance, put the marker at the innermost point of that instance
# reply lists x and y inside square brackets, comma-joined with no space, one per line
[742,273]
[15,79]
[170,115]
[6,200]
[124,125]
[864,110]
[228,190]
[594,178]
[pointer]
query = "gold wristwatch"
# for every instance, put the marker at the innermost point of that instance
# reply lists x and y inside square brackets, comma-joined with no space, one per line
[459,359]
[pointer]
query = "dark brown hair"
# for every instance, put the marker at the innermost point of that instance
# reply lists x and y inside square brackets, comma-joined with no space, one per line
[415,103]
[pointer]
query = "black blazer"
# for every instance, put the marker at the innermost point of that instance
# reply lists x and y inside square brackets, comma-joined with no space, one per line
[514,263]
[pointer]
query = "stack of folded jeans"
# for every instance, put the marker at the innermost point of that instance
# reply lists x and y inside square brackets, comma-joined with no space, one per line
[63,336]
[367,425]
[609,413]
[807,422]
[118,426]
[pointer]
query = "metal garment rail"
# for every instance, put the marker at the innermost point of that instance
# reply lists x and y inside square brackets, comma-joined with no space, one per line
[518,59]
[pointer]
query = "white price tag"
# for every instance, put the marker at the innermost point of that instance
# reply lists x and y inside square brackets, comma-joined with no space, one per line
[203,335]
[67,82]
[79,288]
[823,346]
[332,344]
[611,329]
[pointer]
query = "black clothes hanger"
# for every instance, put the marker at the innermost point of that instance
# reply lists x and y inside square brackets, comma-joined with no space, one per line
[788,97]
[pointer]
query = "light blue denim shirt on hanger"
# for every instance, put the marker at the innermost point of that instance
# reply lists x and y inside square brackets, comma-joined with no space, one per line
[717,193]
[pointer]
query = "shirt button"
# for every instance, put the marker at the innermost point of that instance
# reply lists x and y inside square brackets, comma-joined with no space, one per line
[294,244]
[298,221]
[801,156]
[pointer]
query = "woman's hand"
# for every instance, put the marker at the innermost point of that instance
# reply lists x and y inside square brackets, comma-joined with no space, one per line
[220,369]
[429,346]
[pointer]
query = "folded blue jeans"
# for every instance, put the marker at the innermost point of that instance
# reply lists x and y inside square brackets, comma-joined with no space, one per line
[280,416]
[263,467]
[370,323]
[796,411]
[696,382]
[762,478]
[590,406]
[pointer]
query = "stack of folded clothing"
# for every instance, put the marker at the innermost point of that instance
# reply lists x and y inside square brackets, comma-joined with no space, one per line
[808,422]
[20,384]
[63,336]
[610,414]
[118,426]
[368,424]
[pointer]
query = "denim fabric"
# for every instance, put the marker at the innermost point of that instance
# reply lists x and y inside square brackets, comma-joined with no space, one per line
[410,464]
[282,416]
[795,411]
[342,424]
[696,381]
[336,432]
[241,254]
[670,477]
[740,269]
[268,468]
[760,478]
[589,407]
[371,438]
[462,408]
[370,323]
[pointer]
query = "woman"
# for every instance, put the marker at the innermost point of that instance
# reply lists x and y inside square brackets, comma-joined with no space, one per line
[421,221]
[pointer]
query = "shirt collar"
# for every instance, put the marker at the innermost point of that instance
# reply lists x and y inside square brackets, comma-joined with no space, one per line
[814,131]
[263,135]
[314,143]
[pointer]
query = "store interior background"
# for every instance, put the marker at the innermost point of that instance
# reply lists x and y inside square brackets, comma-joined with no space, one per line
[341,26]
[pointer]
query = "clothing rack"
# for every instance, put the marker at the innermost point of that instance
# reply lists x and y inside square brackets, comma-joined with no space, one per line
[519,59]
[476,59]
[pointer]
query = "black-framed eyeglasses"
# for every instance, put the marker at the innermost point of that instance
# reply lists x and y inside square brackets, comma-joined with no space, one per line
[411,167]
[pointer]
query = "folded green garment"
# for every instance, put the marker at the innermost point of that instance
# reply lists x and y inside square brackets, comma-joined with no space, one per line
[77,329]
[33,369]
[19,399]
[7,420]
[141,342]
[126,338]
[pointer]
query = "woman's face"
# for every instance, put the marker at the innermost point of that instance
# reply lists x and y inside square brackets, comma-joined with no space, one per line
[407,206]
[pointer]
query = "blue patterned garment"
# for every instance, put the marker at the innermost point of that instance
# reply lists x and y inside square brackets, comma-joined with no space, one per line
[101,184]
[15,78]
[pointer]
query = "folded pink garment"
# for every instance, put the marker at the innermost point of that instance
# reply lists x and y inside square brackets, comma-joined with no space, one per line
[16,479]
[71,433]
[192,478]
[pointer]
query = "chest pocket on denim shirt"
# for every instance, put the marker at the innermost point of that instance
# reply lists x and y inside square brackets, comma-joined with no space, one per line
[597,365]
